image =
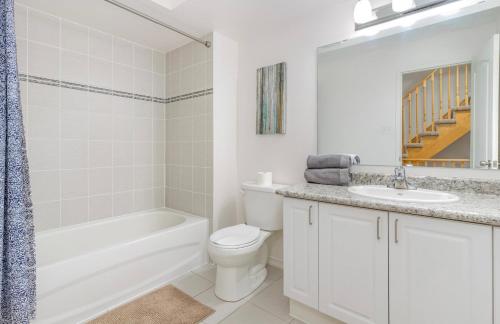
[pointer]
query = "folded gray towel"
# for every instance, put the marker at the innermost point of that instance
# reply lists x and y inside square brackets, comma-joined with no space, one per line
[336,177]
[332,161]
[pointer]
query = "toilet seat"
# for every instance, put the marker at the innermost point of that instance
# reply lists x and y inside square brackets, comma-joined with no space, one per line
[235,237]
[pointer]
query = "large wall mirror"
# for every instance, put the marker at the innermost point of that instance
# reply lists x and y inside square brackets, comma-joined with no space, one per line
[424,97]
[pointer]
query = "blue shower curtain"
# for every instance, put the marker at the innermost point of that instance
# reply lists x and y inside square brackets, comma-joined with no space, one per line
[17,275]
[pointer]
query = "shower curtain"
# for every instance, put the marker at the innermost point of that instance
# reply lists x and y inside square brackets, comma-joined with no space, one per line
[17,273]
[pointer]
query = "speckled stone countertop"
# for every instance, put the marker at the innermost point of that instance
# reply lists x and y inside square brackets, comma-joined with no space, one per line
[472,207]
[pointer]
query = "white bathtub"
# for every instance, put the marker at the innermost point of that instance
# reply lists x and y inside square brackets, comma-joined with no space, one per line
[86,269]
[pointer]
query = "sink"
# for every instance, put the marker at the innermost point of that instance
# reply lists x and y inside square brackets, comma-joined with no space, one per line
[418,195]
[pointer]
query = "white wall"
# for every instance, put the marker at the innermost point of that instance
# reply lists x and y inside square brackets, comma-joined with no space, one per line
[225,83]
[285,155]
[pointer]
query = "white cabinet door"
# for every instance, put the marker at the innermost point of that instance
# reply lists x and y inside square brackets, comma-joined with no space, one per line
[440,271]
[300,251]
[353,264]
[496,275]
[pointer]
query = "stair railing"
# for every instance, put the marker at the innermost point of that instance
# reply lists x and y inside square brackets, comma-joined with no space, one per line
[415,103]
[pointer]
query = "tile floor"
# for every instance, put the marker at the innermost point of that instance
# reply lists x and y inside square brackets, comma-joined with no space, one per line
[266,305]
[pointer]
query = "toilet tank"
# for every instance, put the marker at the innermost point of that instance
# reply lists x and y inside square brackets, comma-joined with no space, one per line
[263,207]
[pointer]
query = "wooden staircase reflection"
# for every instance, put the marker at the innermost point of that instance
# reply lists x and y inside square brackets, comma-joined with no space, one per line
[430,136]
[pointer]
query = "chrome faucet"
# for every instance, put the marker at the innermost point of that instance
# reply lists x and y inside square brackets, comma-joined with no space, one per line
[399,180]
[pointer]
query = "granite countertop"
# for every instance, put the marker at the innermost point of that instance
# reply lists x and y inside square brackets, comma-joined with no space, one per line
[472,207]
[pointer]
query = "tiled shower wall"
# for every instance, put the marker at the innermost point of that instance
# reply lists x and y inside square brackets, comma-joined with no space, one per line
[189,141]
[94,109]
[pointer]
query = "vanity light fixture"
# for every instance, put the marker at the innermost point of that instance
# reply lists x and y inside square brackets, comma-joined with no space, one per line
[386,16]
[363,12]
[402,5]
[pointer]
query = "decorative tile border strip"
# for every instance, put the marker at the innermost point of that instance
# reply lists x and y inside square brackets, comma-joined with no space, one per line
[83,87]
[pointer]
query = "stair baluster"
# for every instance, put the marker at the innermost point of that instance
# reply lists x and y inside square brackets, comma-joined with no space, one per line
[449,93]
[433,125]
[424,93]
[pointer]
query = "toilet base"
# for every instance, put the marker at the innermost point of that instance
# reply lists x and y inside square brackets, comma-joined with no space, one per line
[234,284]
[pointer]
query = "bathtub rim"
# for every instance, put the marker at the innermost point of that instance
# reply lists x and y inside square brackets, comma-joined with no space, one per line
[188,220]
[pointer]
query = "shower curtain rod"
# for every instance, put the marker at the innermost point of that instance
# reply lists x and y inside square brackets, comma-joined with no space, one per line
[156,21]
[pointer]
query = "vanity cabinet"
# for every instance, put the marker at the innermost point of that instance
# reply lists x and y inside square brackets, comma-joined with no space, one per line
[300,245]
[440,271]
[364,266]
[353,258]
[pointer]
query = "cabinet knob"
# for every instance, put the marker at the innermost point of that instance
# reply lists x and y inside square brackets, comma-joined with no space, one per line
[310,216]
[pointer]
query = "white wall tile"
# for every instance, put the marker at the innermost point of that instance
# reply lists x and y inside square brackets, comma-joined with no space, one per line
[74,100]
[143,131]
[100,45]
[143,200]
[100,181]
[47,215]
[123,203]
[100,154]
[43,154]
[43,28]
[143,108]
[123,179]
[74,154]
[123,52]
[123,154]
[44,186]
[100,126]
[74,124]
[21,21]
[143,82]
[143,58]
[74,37]
[74,183]
[75,211]
[159,60]
[100,207]
[123,78]
[143,177]
[123,128]
[74,67]
[43,122]
[143,153]
[100,73]
[43,61]
[22,55]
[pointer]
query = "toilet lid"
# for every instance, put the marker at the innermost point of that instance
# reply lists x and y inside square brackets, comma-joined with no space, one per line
[235,236]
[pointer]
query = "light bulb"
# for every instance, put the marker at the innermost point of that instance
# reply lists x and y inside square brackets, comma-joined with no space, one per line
[402,5]
[363,12]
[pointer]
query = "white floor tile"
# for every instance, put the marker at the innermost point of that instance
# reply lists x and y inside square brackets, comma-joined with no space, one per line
[273,273]
[273,301]
[222,308]
[192,284]
[251,314]
[207,271]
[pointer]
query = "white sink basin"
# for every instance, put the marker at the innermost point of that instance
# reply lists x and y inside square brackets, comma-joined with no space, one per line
[419,195]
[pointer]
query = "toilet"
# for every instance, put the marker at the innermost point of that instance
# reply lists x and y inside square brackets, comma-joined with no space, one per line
[240,252]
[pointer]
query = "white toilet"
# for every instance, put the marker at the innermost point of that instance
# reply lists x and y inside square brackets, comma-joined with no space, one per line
[240,252]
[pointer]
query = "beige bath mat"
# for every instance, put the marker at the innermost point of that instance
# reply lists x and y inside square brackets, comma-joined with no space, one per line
[167,305]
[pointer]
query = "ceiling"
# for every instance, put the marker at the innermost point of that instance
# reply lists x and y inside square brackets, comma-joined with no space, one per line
[235,18]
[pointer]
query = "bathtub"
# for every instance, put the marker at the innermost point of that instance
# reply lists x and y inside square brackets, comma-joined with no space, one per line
[84,270]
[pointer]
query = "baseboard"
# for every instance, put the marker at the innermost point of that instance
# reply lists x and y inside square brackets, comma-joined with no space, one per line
[275,262]
[310,316]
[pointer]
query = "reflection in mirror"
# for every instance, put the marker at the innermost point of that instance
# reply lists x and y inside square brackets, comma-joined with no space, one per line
[425,97]
[436,115]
